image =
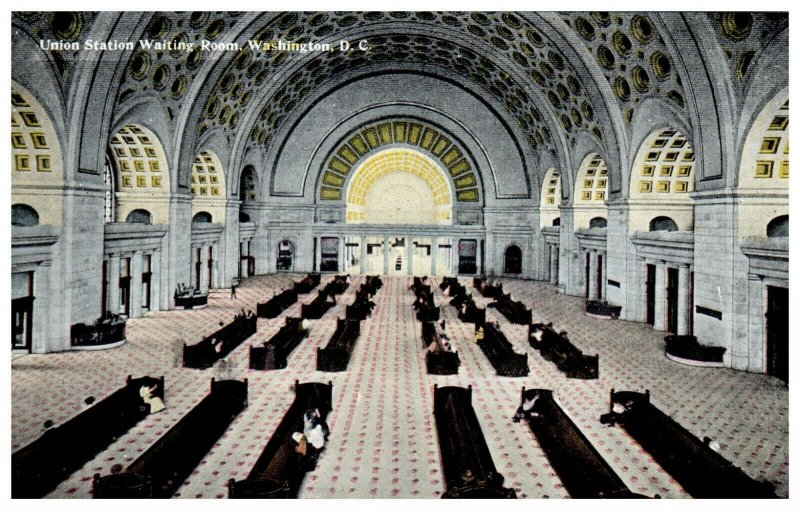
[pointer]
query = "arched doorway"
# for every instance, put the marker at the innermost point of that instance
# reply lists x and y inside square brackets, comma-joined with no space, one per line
[512,263]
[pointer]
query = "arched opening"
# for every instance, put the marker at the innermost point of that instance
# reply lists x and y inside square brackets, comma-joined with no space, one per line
[285,255]
[778,227]
[202,217]
[139,216]
[247,191]
[557,222]
[382,185]
[662,174]
[598,222]
[140,165]
[513,260]
[23,215]
[550,197]
[591,191]
[244,217]
[662,223]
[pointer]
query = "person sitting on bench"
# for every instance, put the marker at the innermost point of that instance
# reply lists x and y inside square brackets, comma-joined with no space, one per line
[616,415]
[315,430]
[155,403]
[525,411]
[478,337]
[537,334]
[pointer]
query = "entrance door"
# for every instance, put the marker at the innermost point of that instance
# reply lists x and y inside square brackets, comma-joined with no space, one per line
[778,332]
[587,266]
[21,323]
[599,276]
[650,289]
[329,259]
[672,300]
[467,256]
[398,261]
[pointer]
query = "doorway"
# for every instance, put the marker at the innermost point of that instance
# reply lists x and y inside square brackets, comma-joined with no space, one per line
[467,256]
[650,294]
[329,258]
[513,260]
[777,320]
[672,300]
[285,256]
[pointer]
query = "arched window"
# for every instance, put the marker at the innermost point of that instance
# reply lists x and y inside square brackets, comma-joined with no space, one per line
[598,222]
[557,221]
[513,261]
[201,216]
[24,215]
[244,217]
[778,227]
[139,217]
[663,224]
[108,180]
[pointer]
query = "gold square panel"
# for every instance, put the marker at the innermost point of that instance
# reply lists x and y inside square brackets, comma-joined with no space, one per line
[648,170]
[684,171]
[645,186]
[681,186]
[770,145]
[662,187]
[22,162]
[141,181]
[764,169]
[665,171]
[127,181]
[43,163]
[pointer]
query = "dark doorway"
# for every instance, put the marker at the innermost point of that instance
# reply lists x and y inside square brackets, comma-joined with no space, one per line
[587,265]
[513,260]
[778,332]
[198,263]
[650,288]
[285,255]
[329,259]
[599,276]
[125,288]
[22,311]
[672,300]
[467,256]
[147,276]
[210,266]
[251,266]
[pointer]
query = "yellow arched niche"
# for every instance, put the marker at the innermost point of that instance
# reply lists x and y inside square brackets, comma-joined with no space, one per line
[399,186]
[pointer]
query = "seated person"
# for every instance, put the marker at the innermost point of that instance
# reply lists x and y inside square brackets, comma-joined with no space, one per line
[478,337]
[525,411]
[537,334]
[155,403]
[315,429]
[616,415]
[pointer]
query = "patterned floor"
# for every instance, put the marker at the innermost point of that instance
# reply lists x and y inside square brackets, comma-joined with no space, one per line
[383,440]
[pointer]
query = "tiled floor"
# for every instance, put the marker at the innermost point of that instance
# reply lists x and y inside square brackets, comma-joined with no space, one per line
[383,442]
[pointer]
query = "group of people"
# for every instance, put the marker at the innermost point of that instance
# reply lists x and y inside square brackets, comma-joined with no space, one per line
[184,290]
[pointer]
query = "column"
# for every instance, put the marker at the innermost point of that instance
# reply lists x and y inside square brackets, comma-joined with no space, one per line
[683,299]
[136,285]
[204,268]
[113,284]
[660,305]
[434,254]
[155,281]
[554,264]
[593,275]
[385,256]
[603,276]
[362,249]
[409,256]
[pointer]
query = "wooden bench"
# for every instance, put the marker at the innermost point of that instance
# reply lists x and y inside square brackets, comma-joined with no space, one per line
[371,285]
[274,353]
[425,306]
[40,466]
[701,471]
[515,311]
[557,348]
[457,290]
[582,470]
[307,284]
[220,343]
[362,306]
[336,355]
[280,470]
[501,353]
[438,362]
[467,464]
[162,469]
[279,302]
[487,290]
[317,308]
[338,285]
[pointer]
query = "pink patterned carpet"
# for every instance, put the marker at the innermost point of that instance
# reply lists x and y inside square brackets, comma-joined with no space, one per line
[383,441]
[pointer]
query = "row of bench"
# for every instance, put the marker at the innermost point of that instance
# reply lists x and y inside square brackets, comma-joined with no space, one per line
[219,344]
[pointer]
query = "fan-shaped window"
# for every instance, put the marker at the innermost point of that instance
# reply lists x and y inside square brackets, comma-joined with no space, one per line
[663,224]
[201,216]
[244,217]
[24,215]
[598,222]
[557,221]
[513,261]
[139,217]
[778,227]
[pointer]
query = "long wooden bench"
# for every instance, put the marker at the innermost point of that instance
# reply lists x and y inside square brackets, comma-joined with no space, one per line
[486,289]
[582,470]
[279,302]
[307,284]
[162,469]
[336,355]
[558,349]
[40,466]
[280,469]
[701,471]
[371,285]
[317,308]
[220,343]
[338,285]
[501,353]
[456,291]
[425,306]
[362,306]
[467,464]
[515,311]
[274,353]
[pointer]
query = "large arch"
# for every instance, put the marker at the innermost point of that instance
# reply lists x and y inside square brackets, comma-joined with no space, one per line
[208,185]
[591,191]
